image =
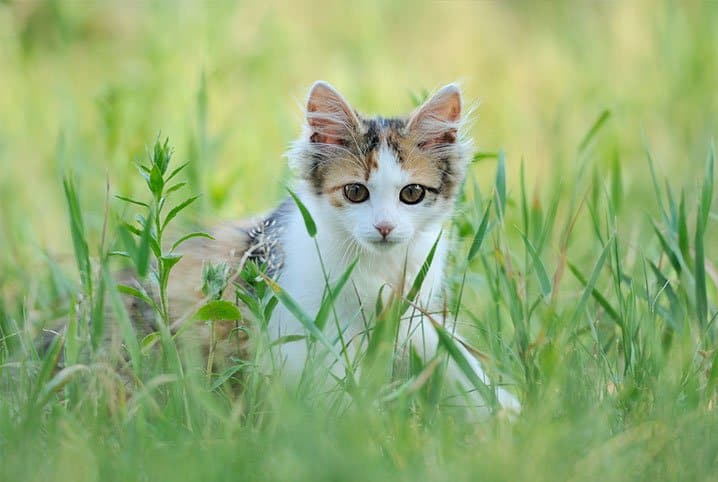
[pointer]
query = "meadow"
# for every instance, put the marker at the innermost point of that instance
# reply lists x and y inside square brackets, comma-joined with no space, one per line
[584,269]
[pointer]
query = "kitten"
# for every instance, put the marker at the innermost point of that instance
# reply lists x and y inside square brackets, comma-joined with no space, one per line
[379,190]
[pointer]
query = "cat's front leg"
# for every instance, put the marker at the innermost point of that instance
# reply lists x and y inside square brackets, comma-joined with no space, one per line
[421,334]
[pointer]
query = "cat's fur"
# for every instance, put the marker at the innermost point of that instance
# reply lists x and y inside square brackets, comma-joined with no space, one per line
[390,238]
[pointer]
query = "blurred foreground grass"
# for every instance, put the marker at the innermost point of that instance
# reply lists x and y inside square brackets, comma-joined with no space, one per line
[618,379]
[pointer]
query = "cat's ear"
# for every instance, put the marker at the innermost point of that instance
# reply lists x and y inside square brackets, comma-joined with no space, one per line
[437,121]
[330,118]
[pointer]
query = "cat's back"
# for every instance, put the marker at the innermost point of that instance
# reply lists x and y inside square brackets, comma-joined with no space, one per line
[230,243]
[235,243]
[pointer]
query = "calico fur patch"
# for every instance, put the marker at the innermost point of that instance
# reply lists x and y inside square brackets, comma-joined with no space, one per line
[341,146]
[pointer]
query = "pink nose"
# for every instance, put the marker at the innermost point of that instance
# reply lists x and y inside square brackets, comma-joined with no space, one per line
[384,229]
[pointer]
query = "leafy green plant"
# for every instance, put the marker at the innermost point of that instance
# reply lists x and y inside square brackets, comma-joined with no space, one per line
[150,227]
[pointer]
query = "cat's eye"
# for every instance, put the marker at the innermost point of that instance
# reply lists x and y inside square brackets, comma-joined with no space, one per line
[412,194]
[356,193]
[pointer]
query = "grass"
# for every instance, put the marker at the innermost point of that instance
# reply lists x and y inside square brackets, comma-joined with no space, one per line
[583,269]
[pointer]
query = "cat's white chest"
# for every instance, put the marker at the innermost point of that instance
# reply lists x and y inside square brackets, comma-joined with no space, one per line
[307,270]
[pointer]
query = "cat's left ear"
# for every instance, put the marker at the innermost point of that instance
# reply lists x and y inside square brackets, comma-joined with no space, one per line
[437,121]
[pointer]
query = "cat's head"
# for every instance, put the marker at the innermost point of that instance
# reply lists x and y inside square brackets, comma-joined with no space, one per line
[381,181]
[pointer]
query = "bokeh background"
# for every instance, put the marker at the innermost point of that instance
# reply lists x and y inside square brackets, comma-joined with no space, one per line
[85,86]
[618,381]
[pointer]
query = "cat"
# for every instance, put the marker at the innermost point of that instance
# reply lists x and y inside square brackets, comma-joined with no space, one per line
[379,190]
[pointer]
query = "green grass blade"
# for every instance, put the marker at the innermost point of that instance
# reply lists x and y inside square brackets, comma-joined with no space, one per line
[674,316]
[500,185]
[654,180]
[127,330]
[666,245]
[308,221]
[301,316]
[61,378]
[700,273]
[544,281]
[683,239]
[701,222]
[480,234]
[616,183]
[421,276]
[416,382]
[588,290]
[451,345]
[707,188]
[480,156]
[72,338]
[49,363]
[600,121]
[524,201]
[98,315]
[330,299]
[672,207]
[77,229]
[600,299]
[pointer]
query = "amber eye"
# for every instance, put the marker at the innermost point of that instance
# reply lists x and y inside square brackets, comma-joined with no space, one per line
[356,193]
[412,194]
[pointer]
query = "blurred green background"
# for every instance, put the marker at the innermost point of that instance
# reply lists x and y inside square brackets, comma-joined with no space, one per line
[609,393]
[85,86]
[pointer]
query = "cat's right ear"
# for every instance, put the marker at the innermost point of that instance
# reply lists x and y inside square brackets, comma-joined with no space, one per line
[330,118]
